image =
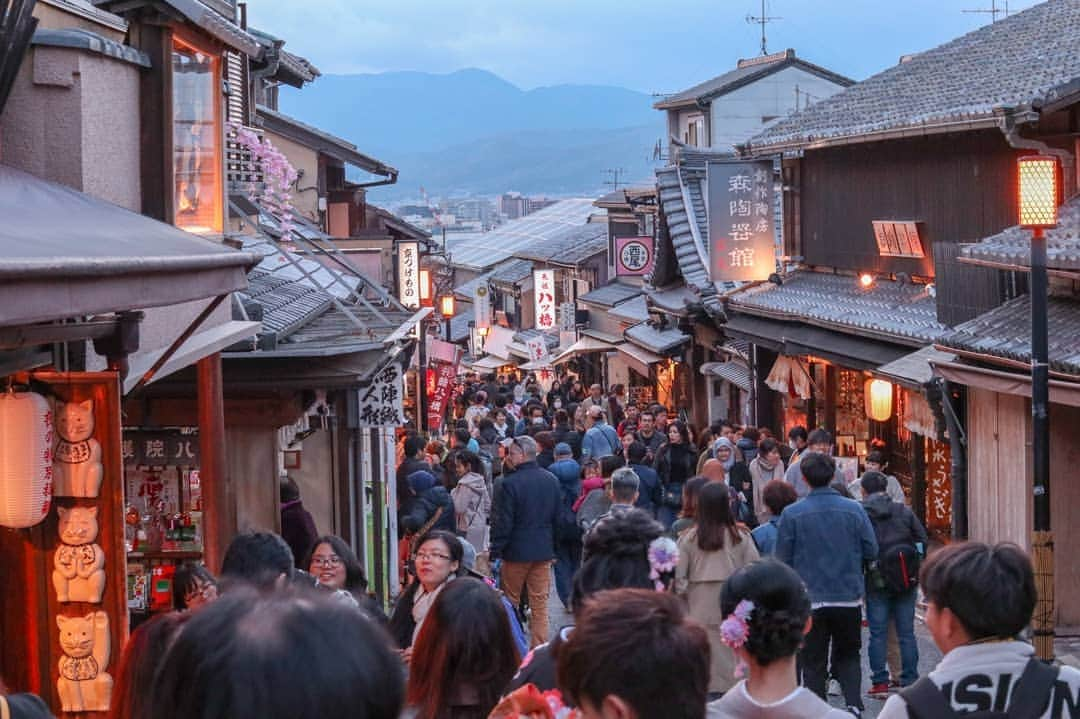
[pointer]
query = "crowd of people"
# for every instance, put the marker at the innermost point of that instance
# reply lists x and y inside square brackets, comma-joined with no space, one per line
[713,574]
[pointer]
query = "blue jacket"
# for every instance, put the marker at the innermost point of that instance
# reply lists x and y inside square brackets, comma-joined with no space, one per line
[826,538]
[526,510]
[765,536]
[600,441]
[650,493]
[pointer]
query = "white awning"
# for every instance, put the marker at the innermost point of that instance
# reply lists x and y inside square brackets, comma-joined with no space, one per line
[638,357]
[196,347]
[490,362]
[736,373]
[584,345]
[497,340]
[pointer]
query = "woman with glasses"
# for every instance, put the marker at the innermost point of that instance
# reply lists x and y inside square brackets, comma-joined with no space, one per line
[193,587]
[438,560]
[335,566]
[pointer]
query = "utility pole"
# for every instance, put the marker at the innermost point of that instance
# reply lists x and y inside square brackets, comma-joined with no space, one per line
[994,10]
[763,19]
[614,174]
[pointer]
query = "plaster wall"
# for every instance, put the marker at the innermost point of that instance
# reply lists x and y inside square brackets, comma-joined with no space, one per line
[306,161]
[63,14]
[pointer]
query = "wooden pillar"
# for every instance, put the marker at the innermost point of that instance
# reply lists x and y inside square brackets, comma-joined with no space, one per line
[219,496]
[918,477]
[830,398]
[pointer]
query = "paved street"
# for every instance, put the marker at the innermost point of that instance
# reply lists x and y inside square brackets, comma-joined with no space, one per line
[928,653]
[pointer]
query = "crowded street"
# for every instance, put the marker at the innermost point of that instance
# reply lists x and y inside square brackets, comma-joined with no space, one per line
[579,360]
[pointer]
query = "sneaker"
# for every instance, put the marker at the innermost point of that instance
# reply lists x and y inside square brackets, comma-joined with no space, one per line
[879,691]
[894,685]
[834,689]
[855,712]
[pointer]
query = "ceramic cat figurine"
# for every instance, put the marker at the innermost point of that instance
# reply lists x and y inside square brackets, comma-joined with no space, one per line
[84,685]
[77,470]
[79,574]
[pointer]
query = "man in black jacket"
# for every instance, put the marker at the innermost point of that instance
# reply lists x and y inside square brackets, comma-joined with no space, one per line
[526,512]
[890,595]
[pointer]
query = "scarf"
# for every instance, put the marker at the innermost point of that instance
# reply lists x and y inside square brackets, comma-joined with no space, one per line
[725,442]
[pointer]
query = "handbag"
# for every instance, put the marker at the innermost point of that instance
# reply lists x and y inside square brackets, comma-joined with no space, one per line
[673,495]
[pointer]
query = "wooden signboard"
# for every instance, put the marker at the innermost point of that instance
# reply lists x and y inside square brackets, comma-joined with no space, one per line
[898,238]
[938,488]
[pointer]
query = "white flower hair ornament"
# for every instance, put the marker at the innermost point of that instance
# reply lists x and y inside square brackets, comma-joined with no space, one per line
[663,556]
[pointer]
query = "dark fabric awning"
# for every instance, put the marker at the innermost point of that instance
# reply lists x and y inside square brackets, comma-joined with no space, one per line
[794,339]
[67,254]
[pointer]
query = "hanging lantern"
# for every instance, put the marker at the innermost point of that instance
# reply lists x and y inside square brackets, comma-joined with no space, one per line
[879,396]
[26,444]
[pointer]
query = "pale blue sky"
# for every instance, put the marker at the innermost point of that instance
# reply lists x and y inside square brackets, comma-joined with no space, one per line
[660,46]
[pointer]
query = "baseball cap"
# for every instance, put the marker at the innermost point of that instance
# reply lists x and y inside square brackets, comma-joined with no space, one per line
[562,449]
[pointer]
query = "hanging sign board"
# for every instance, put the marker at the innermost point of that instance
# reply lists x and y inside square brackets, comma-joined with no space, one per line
[409,274]
[567,317]
[440,392]
[380,400]
[741,220]
[898,239]
[544,296]
[482,307]
[538,349]
[633,256]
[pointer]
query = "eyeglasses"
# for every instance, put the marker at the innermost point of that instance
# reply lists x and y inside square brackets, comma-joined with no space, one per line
[331,561]
[431,557]
[202,591]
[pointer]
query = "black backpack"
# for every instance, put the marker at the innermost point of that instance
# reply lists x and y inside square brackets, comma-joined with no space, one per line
[1031,695]
[898,564]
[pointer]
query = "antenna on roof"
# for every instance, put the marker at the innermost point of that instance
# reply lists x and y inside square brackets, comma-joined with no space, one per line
[614,174]
[994,10]
[762,20]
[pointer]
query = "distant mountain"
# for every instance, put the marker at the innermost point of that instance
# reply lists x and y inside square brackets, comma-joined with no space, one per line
[471,131]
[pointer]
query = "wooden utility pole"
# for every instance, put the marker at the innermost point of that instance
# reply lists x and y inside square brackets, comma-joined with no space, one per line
[218,494]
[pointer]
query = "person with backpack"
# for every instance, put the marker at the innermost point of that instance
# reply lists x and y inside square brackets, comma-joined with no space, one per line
[980,597]
[891,587]
[567,532]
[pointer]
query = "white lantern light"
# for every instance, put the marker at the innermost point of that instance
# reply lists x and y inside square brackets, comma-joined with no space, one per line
[26,447]
[879,396]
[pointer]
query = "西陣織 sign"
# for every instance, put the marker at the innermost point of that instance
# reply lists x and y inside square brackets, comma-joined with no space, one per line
[633,256]
[544,294]
[380,400]
[741,220]
[409,274]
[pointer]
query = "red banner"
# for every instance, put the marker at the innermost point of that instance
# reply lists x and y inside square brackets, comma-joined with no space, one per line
[442,378]
[938,487]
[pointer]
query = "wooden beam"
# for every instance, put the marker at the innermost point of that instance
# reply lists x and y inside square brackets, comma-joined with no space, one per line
[219,508]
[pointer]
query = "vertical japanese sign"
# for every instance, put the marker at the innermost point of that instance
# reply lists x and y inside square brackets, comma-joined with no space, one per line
[633,256]
[380,402]
[741,220]
[409,274]
[544,296]
[538,349]
[443,359]
[938,487]
[482,307]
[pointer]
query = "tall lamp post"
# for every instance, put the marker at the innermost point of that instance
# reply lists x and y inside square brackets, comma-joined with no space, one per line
[1038,200]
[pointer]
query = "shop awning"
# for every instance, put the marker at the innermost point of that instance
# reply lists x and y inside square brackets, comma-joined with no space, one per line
[584,345]
[490,362]
[497,341]
[199,345]
[736,373]
[639,358]
[914,370]
[1005,382]
[797,339]
[535,365]
[67,254]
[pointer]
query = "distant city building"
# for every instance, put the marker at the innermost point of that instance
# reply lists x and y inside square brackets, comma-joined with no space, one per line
[512,205]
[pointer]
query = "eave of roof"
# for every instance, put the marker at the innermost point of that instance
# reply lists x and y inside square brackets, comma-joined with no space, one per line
[200,15]
[79,39]
[321,141]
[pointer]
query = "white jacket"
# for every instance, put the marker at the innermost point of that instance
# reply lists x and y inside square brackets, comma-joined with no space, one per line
[974,672]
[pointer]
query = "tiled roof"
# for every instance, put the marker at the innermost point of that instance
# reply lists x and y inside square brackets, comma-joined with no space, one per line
[611,294]
[748,71]
[321,141]
[903,313]
[1016,62]
[655,340]
[633,310]
[91,42]
[1005,332]
[512,272]
[672,299]
[688,229]
[570,247]
[1013,246]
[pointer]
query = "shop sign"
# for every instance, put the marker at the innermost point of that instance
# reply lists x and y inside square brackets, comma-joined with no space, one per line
[898,239]
[633,256]
[482,307]
[409,274]
[741,220]
[380,400]
[544,296]
[441,391]
[160,448]
[938,486]
[642,395]
[538,349]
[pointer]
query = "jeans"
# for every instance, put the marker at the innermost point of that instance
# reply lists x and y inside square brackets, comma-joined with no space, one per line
[666,516]
[842,626]
[567,562]
[534,578]
[900,609]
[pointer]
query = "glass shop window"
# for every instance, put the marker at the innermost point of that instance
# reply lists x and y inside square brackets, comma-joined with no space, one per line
[197,165]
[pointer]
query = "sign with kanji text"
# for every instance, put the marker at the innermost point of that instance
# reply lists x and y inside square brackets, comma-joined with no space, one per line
[633,256]
[441,379]
[168,448]
[938,487]
[380,400]
[544,298]
[741,220]
[898,239]
[482,307]
[409,274]
[538,349]
[567,317]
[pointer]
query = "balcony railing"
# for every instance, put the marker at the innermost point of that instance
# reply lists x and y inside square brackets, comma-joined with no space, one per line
[243,173]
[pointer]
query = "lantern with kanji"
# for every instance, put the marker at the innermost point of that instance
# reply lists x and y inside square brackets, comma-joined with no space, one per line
[879,399]
[26,444]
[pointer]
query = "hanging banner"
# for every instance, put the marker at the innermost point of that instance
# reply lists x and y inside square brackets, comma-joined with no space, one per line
[938,487]
[441,392]
[409,274]
[482,307]
[380,400]
[544,296]
[633,256]
[538,349]
[741,220]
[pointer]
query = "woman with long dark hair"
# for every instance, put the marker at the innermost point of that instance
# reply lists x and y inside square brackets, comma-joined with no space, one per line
[688,511]
[438,561]
[710,552]
[143,654]
[675,463]
[464,656]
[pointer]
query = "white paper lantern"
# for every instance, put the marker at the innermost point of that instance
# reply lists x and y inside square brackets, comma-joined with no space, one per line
[26,449]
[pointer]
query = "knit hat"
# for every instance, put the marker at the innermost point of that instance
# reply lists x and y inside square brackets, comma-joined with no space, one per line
[421,480]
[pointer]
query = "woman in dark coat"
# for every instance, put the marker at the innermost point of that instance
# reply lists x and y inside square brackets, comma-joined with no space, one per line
[428,499]
[675,463]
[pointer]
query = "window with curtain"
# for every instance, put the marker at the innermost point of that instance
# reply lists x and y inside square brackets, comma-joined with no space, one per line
[197,131]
